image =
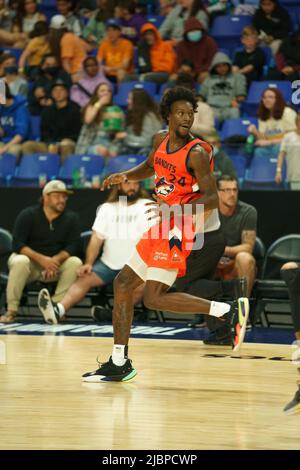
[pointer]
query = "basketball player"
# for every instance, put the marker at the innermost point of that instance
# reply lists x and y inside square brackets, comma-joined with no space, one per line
[183,168]
[293,407]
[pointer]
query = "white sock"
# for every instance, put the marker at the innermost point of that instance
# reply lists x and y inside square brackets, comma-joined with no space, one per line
[118,354]
[218,309]
[60,310]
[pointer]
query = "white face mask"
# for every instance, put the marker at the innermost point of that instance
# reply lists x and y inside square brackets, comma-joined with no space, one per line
[194,36]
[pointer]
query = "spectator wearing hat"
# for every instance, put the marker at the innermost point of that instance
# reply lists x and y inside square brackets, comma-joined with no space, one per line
[45,244]
[47,74]
[92,75]
[65,8]
[156,58]
[68,48]
[60,124]
[115,53]
[14,123]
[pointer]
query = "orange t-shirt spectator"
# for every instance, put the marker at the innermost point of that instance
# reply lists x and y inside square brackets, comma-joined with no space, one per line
[115,53]
[68,48]
[162,55]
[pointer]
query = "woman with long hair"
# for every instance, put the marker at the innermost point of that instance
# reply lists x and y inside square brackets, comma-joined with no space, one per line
[101,120]
[275,119]
[173,26]
[27,15]
[142,122]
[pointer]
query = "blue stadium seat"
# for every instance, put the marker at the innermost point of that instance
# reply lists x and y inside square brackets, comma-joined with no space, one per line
[261,173]
[240,164]
[123,163]
[34,165]
[7,167]
[125,88]
[268,56]
[257,88]
[16,51]
[48,7]
[236,126]
[93,165]
[227,29]
[35,128]
[157,20]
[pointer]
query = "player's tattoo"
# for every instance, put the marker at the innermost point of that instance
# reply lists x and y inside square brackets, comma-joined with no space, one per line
[249,236]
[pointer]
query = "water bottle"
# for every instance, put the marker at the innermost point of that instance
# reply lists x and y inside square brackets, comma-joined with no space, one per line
[76,178]
[250,143]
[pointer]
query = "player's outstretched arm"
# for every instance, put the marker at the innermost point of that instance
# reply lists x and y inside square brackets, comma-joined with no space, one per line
[141,172]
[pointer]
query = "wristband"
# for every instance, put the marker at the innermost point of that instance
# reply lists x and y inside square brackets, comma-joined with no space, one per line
[97,105]
[278,170]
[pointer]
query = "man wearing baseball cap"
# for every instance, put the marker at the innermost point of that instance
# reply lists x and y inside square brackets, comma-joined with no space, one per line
[45,243]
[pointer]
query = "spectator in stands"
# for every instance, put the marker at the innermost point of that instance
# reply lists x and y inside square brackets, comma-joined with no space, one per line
[197,47]
[81,91]
[223,90]
[273,23]
[113,219]
[130,21]
[94,31]
[216,8]
[275,119]
[48,73]
[251,60]
[35,50]
[166,6]
[60,124]
[173,26]
[143,121]
[6,16]
[45,242]
[9,71]
[101,121]
[69,50]
[115,53]
[156,58]
[289,151]
[287,59]
[65,8]
[223,165]
[290,273]
[27,15]
[14,123]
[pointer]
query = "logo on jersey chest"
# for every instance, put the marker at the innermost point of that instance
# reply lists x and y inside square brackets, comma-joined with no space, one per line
[163,188]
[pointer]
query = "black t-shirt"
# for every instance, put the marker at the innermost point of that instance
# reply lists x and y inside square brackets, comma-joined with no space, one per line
[256,58]
[32,229]
[244,218]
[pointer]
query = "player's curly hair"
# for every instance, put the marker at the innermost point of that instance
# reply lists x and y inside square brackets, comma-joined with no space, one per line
[178,93]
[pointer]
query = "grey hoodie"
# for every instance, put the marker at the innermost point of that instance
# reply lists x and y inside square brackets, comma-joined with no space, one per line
[220,91]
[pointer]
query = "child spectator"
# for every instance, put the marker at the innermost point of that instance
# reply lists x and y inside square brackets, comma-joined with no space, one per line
[14,123]
[81,92]
[275,119]
[251,60]
[197,47]
[65,9]
[289,151]
[68,48]
[37,47]
[224,90]
[143,121]
[156,58]
[115,53]
[273,23]
[101,120]
[173,26]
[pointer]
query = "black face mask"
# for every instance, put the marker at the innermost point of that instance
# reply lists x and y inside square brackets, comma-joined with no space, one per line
[51,70]
[11,70]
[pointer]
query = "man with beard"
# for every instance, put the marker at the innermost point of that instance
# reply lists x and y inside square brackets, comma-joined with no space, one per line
[45,241]
[119,223]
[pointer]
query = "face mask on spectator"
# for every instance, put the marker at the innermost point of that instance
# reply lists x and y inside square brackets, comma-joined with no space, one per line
[11,70]
[194,36]
[51,70]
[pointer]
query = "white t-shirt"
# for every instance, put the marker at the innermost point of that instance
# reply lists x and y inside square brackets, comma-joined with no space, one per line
[276,128]
[121,226]
[291,146]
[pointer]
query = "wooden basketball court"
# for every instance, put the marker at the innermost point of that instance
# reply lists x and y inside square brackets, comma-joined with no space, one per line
[179,399]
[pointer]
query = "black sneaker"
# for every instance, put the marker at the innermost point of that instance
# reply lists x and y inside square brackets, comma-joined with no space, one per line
[293,407]
[197,322]
[237,317]
[220,337]
[101,314]
[109,372]
[48,308]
